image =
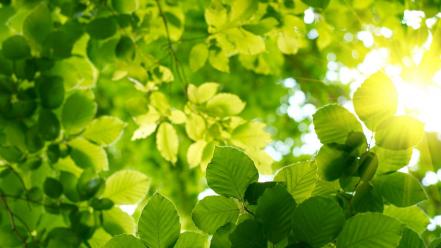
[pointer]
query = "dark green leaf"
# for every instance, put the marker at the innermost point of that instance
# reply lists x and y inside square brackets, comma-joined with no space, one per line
[52,187]
[16,47]
[230,172]
[248,234]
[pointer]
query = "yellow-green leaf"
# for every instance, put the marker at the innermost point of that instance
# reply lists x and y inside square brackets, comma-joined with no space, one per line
[194,153]
[167,142]
[198,56]
[126,187]
[225,104]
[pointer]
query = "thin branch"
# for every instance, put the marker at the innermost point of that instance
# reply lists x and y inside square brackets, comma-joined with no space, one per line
[12,218]
[175,60]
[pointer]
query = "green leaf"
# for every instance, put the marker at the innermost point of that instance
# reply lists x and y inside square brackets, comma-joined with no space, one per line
[125,6]
[125,49]
[400,189]
[88,155]
[333,123]
[104,130]
[159,223]
[198,56]
[225,104]
[118,222]
[230,172]
[367,199]
[411,239]
[167,141]
[242,10]
[275,209]
[126,187]
[78,110]
[38,24]
[255,191]
[192,240]
[48,125]
[370,230]
[221,238]
[376,100]
[300,179]
[399,133]
[318,221]
[52,187]
[77,72]
[8,238]
[333,161]
[319,4]
[102,28]
[413,217]
[124,240]
[248,234]
[16,47]
[391,160]
[213,212]
[51,91]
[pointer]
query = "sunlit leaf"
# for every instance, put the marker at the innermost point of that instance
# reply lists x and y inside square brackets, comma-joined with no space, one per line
[126,187]
[300,179]
[167,142]
[104,130]
[213,212]
[399,133]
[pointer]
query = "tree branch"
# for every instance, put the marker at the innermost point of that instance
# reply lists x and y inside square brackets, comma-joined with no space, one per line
[12,217]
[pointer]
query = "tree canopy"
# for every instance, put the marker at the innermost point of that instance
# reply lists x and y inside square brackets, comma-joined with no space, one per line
[220,123]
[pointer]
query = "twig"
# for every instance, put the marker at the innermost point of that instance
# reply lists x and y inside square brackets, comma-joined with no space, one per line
[12,217]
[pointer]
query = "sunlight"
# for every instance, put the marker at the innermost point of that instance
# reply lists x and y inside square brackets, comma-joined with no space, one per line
[422,101]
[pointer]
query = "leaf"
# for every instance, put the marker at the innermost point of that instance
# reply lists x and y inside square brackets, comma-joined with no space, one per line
[38,24]
[167,142]
[410,239]
[125,6]
[399,133]
[319,4]
[52,187]
[230,172]
[126,187]
[367,199]
[51,91]
[160,102]
[248,234]
[391,160]
[213,212]
[147,124]
[375,100]
[198,56]
[124,240]
[225,104]
[192,240]
[16,47]
[78,110]
[400,189]
[48,125]
[275,209]
[102,28]
[413,217]
[251,134]
[195,127]
[332,162]
[318,220]
[77,72]
[370,230]
[159,224]
[203,92]
[333,123]
[221,238]
[242,10]
[195,152]
[177,116]
[118,222]
[88,155]
[300,179]
[104,130]
[99,238]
